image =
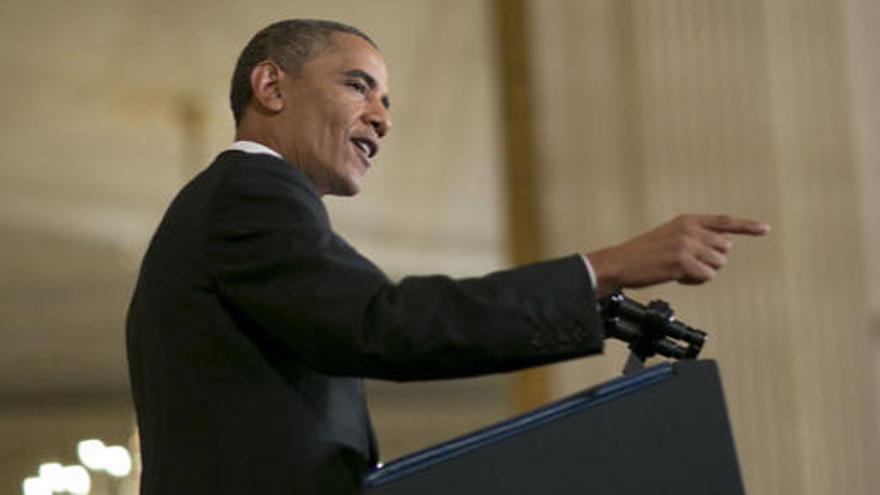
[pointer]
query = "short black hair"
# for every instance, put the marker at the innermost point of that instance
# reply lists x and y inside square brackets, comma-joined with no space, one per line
[290,44]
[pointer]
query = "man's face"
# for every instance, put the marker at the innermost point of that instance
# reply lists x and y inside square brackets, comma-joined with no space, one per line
[335,113]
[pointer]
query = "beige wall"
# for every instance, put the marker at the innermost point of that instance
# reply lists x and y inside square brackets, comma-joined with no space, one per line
[760,108]
[656,108]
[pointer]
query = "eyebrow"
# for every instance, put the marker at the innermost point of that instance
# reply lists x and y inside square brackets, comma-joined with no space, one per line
[371,83]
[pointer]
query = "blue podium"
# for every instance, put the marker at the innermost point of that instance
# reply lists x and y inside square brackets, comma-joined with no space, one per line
[662,430]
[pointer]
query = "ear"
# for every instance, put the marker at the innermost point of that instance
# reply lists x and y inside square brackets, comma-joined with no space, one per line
[265,84]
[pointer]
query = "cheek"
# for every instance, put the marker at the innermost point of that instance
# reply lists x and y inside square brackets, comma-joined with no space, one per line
[342,130]
[347,112]
[335,119]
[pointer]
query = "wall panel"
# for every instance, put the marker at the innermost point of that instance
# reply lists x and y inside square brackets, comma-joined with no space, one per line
[648,109]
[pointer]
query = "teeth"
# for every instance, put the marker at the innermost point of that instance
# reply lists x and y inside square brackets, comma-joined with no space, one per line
[363,147]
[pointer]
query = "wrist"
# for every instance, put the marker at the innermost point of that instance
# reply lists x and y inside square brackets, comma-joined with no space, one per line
[606,270]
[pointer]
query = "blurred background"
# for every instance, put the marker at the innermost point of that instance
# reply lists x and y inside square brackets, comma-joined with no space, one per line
[523,129]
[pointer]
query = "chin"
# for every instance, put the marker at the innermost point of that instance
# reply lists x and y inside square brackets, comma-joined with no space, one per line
[354,189]
[350,184]
[346,188]
[347,192]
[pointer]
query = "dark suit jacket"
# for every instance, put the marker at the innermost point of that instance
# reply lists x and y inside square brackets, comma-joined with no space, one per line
[252,323]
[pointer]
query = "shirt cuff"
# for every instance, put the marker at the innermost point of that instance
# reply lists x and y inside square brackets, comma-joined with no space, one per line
[590,271]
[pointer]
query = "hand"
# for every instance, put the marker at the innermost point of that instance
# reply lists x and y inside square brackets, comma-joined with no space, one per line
[689,249]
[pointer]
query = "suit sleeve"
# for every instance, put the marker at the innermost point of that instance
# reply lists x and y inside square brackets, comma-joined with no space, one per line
[278,265]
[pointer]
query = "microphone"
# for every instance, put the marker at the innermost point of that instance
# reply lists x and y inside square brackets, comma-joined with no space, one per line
[651,329]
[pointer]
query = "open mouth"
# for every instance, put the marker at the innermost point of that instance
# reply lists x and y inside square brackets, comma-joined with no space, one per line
[366,146]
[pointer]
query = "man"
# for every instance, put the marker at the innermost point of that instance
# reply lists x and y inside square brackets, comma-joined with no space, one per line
[253,322]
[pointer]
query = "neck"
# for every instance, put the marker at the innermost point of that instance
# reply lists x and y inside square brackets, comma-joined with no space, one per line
[249,132]
[255,130]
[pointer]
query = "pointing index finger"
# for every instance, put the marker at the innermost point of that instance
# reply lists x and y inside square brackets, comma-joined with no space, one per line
[731,225]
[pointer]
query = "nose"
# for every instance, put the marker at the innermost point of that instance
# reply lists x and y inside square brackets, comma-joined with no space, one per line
[379,118]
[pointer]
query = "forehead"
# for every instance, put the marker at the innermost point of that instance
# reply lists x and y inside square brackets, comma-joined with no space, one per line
[348,52]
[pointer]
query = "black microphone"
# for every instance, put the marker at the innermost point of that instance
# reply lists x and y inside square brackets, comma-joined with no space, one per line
[651,329]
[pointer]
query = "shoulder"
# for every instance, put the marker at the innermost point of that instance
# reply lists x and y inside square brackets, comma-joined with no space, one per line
[257,188]
[240,168]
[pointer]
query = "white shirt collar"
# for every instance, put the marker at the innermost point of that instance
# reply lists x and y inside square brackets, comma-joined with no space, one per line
[254,147]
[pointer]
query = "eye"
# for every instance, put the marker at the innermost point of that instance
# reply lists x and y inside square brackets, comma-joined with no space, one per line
[358,86]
